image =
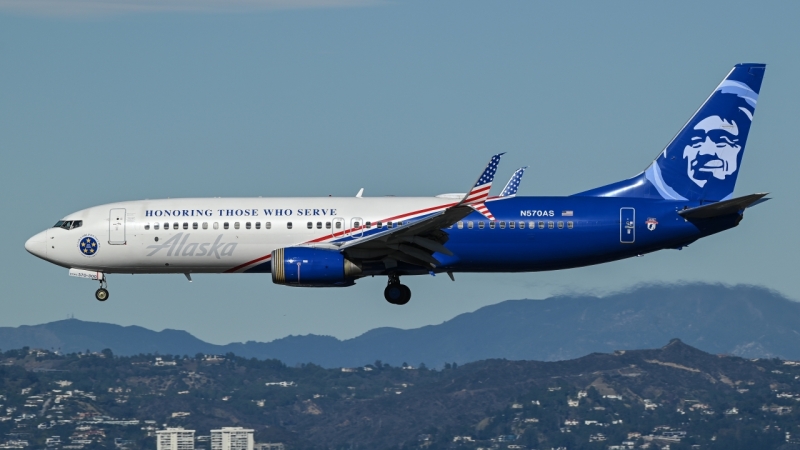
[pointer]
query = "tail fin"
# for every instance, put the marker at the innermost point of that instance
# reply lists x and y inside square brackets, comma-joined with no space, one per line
[702,161]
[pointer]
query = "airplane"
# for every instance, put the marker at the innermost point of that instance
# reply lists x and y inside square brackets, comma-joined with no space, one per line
[685,194]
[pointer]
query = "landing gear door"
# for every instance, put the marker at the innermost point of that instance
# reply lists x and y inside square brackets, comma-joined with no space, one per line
[627,225]
[116,226]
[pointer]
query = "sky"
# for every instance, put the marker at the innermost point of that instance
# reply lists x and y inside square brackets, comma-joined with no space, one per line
[104,101]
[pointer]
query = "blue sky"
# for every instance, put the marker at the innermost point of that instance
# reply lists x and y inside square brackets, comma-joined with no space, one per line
[103,101]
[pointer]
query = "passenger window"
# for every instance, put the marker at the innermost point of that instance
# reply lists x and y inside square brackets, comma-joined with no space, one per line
[319,225]
[560,225]
[205,225]
[338,225]
[310,225]
[369,225]
[569,224]
[155,226]
[176,226]
[166,225]
[521,225]
[492,224]
[480,225]
[258,225]
[216,225]
[289,225]
[460,225]
[194,225]
[225,225]
[550,225]
[388,224]
[267,225]
[469,224]
[531,225]
[541,225]
[502,224]
[185,225]
[356,224]
[512,225]
[236,225]
[380,224]
[247,225]
[327,225]
[147,227]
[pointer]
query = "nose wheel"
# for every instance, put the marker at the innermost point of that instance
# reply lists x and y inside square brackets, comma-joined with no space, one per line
[102,293]
[396,293]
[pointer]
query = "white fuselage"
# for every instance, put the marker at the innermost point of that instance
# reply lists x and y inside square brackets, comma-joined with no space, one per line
[214,235]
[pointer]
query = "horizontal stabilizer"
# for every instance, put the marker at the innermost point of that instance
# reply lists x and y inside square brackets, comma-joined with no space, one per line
[724,208]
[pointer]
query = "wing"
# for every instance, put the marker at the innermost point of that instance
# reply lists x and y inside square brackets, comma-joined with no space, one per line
[415,241]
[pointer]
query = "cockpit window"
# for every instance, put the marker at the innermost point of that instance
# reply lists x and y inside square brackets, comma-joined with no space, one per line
[68,224]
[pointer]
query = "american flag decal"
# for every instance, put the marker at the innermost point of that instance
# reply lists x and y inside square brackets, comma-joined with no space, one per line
[513,184]
[480,192]
[566,213]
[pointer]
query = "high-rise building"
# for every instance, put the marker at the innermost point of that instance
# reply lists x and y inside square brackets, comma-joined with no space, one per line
[175,439]
[232,438]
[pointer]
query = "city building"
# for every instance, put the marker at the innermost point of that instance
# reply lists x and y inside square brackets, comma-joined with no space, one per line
[175,439]
[272,446]
[232,438]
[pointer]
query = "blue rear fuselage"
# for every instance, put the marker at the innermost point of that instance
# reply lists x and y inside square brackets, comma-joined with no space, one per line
[551,233]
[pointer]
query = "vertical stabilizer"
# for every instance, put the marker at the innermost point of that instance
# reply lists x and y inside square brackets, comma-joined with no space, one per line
[702,161]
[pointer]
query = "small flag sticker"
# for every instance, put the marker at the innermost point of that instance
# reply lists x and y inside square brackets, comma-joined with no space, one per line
[566,213]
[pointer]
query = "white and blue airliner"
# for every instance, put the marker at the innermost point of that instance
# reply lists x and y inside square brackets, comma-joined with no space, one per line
[684,195]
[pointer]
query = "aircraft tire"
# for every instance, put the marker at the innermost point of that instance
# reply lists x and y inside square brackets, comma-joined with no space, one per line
[101,294]
[406,294]
[397,294]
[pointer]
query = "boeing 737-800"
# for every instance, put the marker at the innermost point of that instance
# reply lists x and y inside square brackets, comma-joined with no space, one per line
[682,196]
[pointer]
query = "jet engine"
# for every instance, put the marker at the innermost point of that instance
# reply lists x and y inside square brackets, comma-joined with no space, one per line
[312,267]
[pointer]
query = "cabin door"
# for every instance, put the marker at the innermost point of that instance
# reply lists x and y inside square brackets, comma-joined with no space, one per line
[627,225]
[116,226]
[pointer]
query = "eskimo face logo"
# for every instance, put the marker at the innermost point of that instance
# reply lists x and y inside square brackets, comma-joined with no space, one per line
[713,150]
[651,223]
[88,245]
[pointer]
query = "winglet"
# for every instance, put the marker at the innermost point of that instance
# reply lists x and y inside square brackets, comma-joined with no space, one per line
[479,193]
[513,184]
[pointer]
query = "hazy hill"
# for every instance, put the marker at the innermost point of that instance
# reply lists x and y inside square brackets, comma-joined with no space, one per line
[676,395]
[740,320]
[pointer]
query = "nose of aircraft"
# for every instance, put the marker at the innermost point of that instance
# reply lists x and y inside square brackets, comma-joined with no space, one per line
[37,245]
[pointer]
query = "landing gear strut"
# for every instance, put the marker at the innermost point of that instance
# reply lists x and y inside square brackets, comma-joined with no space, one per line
[396,293]
[102,293]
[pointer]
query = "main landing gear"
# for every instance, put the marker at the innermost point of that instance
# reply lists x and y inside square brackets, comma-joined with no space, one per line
[396,293]
[102,293]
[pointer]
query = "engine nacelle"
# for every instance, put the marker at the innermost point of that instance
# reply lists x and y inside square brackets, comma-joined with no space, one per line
[312,267]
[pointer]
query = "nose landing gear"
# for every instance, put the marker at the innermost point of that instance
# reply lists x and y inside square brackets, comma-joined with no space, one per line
[102,293]
[396,293]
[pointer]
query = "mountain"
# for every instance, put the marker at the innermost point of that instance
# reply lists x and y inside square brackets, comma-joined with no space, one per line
[747,321]
[675,395]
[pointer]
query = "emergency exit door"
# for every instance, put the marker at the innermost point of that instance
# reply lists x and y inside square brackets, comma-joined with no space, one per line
[116,226]
[627,225]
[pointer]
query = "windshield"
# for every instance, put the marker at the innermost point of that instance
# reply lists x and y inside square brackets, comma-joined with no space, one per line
[68,224]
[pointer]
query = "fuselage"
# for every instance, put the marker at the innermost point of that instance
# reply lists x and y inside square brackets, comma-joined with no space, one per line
[234,235]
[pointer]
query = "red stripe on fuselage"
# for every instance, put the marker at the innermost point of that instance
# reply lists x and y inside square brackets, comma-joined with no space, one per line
[345,232]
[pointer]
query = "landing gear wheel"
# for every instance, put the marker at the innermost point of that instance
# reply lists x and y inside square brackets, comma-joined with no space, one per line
[397,294]
[101,294]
